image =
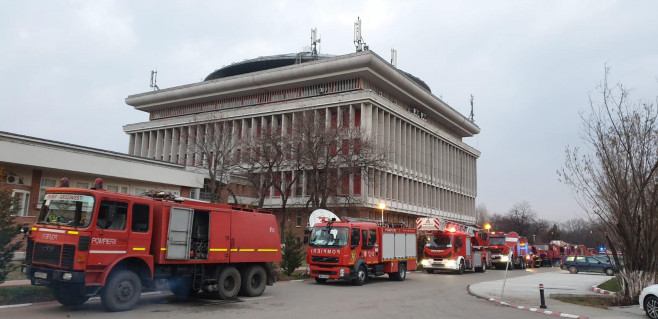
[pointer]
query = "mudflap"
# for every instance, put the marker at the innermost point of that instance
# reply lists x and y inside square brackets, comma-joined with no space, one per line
[271,279]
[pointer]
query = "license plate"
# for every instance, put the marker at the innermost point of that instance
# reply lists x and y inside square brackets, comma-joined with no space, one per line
[323,276]
[41,275]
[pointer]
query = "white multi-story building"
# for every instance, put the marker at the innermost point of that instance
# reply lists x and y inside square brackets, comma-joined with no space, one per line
[429,171]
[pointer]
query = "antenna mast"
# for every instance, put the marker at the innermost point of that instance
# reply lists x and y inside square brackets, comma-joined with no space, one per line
[315,40]
[154,80]
[471,117]
[358,40]
[394,58]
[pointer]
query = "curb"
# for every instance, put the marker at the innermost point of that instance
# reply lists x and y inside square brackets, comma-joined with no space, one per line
[602,291]
[532,309]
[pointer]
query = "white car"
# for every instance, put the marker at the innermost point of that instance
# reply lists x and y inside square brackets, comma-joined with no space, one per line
[649,301]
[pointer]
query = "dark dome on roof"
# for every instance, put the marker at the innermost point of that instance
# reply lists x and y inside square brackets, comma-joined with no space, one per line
[276,61]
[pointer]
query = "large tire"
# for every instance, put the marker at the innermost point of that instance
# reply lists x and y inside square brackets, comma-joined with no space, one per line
[70,295]
[254,280]
[609,272]
[320,280]
[228,283]
[429,271]
[401,275]
[361,276]
[122,291]
[483,268]
[462,267]
[573,269]
[181,287]
[651,306]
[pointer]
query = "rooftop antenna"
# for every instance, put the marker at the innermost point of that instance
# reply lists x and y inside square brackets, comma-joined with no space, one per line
[154,80]
[471,117]
[358,40]
[394,57]
[315,40]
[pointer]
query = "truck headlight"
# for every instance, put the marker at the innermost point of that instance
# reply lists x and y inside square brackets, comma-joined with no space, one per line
[67,276]
[450,263]
[504,258]
[342,272]
[426,262]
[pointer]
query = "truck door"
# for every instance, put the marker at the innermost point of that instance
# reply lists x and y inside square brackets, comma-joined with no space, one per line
[110,235]
[140,229]
[179,235]
[355,241]
[369,239]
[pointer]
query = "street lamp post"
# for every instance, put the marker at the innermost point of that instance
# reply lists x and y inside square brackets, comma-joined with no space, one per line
[382,205]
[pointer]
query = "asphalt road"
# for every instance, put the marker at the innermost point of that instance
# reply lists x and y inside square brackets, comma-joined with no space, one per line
[420,296]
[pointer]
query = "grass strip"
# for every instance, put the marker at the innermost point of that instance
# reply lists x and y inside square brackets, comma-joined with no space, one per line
[610,285]
[12,295]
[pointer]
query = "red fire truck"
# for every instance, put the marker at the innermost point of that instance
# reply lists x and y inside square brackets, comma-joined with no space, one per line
[353,249]
[93,241]
[518,257]
[453,246]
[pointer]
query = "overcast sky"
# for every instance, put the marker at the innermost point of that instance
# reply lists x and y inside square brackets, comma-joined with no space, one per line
[67,66]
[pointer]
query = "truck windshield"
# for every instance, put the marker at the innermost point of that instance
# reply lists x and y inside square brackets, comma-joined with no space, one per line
[67,209]
[542,247]
[497,241]
[323,236]
[438,242]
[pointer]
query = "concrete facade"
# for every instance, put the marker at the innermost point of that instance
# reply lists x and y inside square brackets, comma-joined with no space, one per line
[429,171]
[37,164]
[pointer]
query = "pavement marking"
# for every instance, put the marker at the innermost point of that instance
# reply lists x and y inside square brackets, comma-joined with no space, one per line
[16,306]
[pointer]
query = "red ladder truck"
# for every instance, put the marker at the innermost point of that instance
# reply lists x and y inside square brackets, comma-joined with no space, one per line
[453,246]
[355,249]
[92,241]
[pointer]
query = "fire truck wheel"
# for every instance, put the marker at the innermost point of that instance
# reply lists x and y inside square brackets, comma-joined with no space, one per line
[320,280]
[122,291]
[228,283]
[573,270]
[462,267]
[429,271]
[254,279]
[361,276]
[609,271]
[401,275]
[70,295]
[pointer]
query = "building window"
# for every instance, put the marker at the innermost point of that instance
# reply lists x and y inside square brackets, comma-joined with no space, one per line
[81,185]
[113,188]
[124,189]
[299,219]
[140,191]
[46,183]
[23,203]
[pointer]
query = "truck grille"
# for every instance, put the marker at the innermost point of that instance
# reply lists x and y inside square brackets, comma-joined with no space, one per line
[28,251]
[47,253]
[68,254]
[324,259]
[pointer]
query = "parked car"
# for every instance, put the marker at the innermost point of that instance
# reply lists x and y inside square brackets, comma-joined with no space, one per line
[575,264]
[649,301]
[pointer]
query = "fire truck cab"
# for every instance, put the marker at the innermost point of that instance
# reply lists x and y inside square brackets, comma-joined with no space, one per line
[452,246]
[518,257]
[354,250]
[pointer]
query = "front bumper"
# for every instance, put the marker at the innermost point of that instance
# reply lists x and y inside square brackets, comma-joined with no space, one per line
[331,272]
[440,264]
[44,276]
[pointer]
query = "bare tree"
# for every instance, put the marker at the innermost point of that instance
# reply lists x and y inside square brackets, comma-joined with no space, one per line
[213,149]
[615,181]
[329,153]
[482,214]
[522,220]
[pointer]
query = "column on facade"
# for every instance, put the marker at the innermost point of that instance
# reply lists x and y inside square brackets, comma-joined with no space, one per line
[166,150]
[158,144]
[137,147]
[175,145]
[151,145]
[131,144]
[145,144]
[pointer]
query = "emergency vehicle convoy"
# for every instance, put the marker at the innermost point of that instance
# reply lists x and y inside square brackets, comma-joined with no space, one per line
[518,257]
[93,241]
[453,246]
[353,250]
